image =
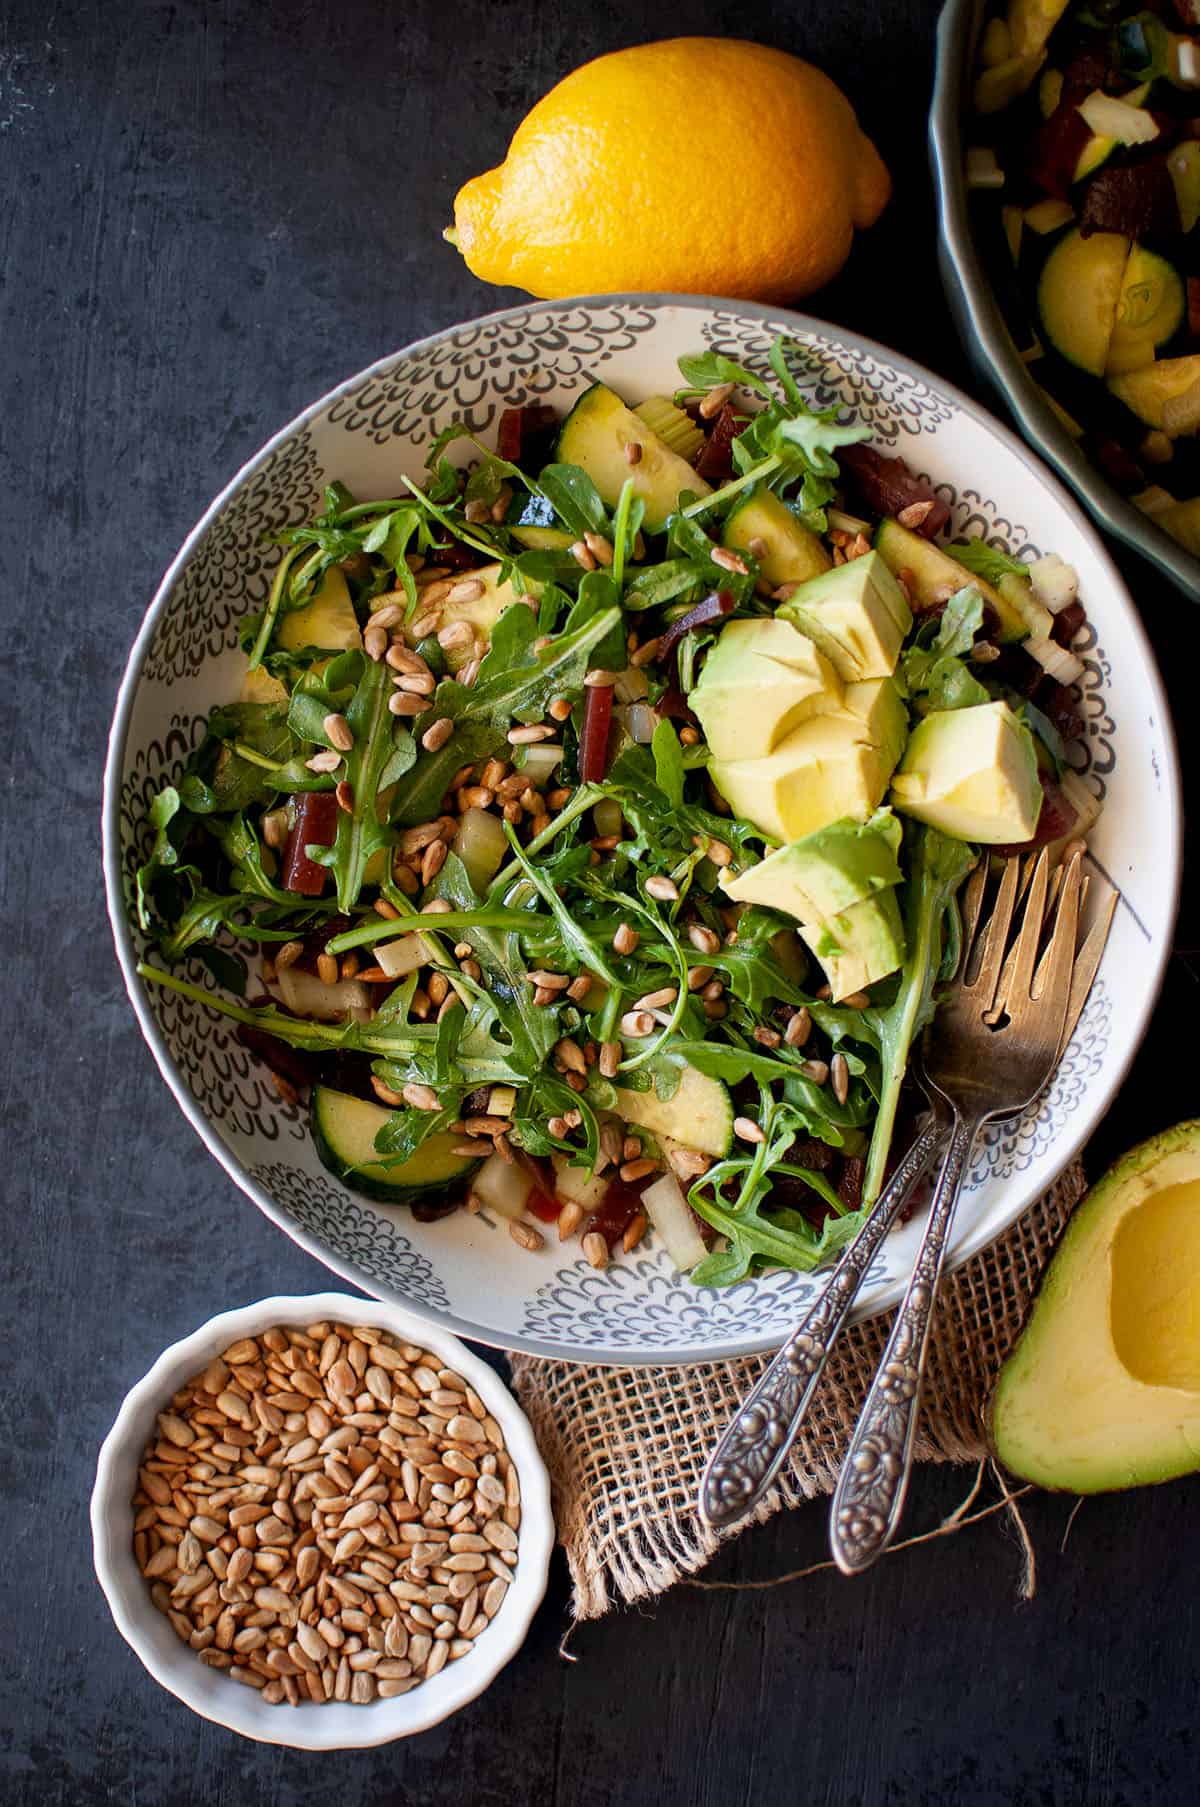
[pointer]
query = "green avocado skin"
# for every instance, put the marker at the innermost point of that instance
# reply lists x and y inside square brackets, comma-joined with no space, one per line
[1178,1452]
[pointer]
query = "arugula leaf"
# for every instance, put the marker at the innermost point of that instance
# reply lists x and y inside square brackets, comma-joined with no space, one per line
[937,669]
[164,855]
[400,1137]
[575,498]
[360,833]
[704,370]
[938,867]
[668,763]
[580,946]
[988,562]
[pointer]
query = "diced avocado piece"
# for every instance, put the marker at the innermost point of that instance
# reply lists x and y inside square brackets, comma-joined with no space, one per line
[481,612]
[998,87]
[1078,294]
[675,428]
[1146,391]
[1150,311]
[258,686]
[594,436]
[972,773]
[1184,164]
[344,1130]
[761,680]
[792,553]
[1102,1389]
[328,621]
[1182,522]
[825,769]
[700,1113]
[862,944]
[1050,87]
[933,576]
[879,706]
[827,872]
[1030,23]
[857,614]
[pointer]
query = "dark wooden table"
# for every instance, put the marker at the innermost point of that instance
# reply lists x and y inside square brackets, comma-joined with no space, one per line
[209,215]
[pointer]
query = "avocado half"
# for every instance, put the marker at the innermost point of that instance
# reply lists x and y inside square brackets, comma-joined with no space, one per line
[1102,1390]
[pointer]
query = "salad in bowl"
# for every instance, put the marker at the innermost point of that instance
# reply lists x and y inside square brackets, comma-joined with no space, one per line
[580,843]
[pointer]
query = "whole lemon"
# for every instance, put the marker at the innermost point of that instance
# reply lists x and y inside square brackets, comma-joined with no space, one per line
[706,165]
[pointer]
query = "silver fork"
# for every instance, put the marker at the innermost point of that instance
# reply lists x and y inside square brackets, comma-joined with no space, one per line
[982,1070]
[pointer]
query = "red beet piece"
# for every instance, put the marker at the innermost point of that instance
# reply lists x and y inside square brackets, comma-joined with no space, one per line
[543,1205]
[1137,200]
[715,463]
[593,741]
[710,609]
[1061,706]
[1118,465]
[850,1184]
[296,1065]
[1058,817]
[887,486]
[1058,145]
[1067,623]
[617,1210]
[315,826]
[1193,306]
[516,425]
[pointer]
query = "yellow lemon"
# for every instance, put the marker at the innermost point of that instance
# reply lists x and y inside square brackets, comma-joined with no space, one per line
[705,165]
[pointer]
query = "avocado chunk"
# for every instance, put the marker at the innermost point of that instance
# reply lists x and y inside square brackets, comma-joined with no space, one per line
[857,614]
[792,554]
[972,773]
[761,680]
[862,944]
[1103,1388]
[880,708]
[480,612]
[826,873]
[826,768]
[594,436]
[328,621]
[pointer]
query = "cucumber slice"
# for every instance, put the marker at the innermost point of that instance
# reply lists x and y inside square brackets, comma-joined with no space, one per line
[594,436]
[328,621]
[1078,294]
[543,539]
[700,1115]
[1150,311]
[673,426]
[932,574]
[344,1130]
[792,555]
[1099,147]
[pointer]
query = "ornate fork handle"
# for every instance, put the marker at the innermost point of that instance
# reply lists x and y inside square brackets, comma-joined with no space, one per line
[874,1478]
[758,1437]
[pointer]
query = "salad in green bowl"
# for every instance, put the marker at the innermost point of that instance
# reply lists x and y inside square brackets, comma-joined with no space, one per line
[584,843]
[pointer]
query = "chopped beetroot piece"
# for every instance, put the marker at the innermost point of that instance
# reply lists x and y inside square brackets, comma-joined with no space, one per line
[455,557]
[1118,465]
[1058,817]
[424,1212]
[1137,200]
[673,703]
[850,1182]
[888,487]
[818,1157]
[1067,623]
[1017,670]
[1060,705]
[296,1065]
[1088,69]
[543,1205]
[593,740]
[1059,144]
[620,1205]
[315,826]
[711,608]
[1193,306]
[517,425]
[715,463]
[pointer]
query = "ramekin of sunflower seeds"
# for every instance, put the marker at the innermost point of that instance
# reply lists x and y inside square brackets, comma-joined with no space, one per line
[322,1522]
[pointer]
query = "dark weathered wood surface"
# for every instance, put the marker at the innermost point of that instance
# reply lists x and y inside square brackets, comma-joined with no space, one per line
[209,215]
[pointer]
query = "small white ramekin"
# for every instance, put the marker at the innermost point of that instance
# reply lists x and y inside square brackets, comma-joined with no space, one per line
[334,1726]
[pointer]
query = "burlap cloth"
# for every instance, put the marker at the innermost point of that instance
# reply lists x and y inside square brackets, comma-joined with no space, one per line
[626,1446]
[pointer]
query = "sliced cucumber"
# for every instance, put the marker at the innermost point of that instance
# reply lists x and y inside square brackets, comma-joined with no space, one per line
[344,1130]
[700,1115]
[673,426]
[1150,311]
[480,612]
[792,554]
[543,539]
[1078,294]
[327,621]
[932,575]
[594,436]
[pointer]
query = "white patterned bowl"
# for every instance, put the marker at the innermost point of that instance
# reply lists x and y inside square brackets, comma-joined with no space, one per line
[336,1725]
[463,1272]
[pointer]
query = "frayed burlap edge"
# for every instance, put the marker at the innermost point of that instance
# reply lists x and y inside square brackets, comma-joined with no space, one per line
[626,1446]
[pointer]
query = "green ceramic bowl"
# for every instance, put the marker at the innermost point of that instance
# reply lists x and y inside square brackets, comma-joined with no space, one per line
[982,326]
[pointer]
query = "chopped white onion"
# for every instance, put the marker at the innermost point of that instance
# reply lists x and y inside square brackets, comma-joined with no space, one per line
[399,958]
[632,685]
[481,845]
[503,1186]
[641,721]
[1185,62]
[540,763]
[574,1185]
[607,816]
[1112,118]
[982,169]
[667,1209]
[1055,660]
[306,995]
[1055,583]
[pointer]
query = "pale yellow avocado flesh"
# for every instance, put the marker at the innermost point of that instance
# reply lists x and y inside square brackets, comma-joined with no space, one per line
[857,615]
[481,613]
[824,769]
[1103,1388]
[972,773]
[761,680]
[862,944]
[327,621]
[819,877]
